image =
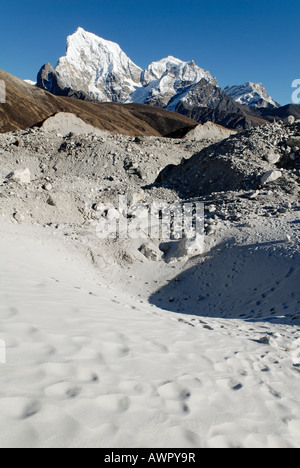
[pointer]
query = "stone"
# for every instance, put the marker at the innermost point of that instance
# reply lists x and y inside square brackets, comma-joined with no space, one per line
[19,143]
[22,176]
[252,195]
[18,217]
[47,187]
[150,253]
[290,120]
[272,157]
[271,176]
[51,202]
[210,231]
[264,340]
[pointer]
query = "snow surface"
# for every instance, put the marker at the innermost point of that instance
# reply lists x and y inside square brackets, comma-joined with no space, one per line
[184,71]
[32,83]
[91,366]
[251,94]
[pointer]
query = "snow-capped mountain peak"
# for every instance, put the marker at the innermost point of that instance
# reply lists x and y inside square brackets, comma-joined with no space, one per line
[187,72]
[251,94]
[163,79]
[97,67]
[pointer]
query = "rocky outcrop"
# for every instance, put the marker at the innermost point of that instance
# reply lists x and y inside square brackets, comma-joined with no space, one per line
[28,106]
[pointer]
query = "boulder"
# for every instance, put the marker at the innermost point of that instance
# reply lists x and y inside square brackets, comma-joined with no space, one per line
[150,252]
[290,120]
[271,176]
[22,176]
[272,157]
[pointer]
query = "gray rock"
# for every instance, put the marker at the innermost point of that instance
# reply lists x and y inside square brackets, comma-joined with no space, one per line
[51,202]
[22,176]
[47,187]
[290,120]
[150,252]
[18,217]
[272,157]
[271,176]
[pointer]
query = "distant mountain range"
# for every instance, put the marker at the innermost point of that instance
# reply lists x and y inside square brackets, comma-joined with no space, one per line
[95,69]
[27,106]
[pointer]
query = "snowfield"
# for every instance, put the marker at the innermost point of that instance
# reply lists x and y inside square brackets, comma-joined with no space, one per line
[90,366]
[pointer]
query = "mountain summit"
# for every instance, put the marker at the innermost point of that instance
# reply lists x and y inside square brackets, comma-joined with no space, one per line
[96,69]
[93,66]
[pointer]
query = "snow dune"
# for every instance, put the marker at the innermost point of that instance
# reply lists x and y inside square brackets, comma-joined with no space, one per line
[89,367]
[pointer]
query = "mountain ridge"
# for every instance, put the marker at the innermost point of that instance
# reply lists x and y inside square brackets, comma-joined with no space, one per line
[99,70]
[251,94]
[27,106]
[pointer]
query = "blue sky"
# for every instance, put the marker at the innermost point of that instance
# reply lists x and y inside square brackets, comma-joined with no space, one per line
[237,40]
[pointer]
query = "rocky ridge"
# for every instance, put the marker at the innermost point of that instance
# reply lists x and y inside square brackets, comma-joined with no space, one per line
[245,161]
[26,105]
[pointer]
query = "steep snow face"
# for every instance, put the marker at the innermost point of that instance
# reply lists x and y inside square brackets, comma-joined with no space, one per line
[162,80]
[252,95]
[97,67]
